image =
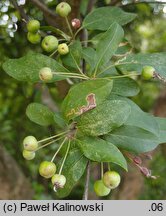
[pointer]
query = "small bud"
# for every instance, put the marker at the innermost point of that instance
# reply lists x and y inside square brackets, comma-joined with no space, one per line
[76,23]
[46,74]
[137,160]
[145,171]
[148,156]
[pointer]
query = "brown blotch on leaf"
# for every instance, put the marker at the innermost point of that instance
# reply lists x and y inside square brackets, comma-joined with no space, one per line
[91,104]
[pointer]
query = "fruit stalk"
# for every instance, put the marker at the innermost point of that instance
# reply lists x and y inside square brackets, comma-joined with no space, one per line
[67,151]
[58,149]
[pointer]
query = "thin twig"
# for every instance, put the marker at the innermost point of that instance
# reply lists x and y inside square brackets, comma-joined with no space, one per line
[85,195]
[44,8]
[84,38]
[159,77]
[143,2]
[85,33]
[20,10]
[90,6]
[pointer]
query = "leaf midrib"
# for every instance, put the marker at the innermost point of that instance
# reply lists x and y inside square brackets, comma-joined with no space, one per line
[107,46]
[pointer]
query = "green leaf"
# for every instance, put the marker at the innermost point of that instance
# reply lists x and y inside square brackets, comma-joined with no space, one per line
[139,118]
[27,68]
[108,45]
[73,58]
[76,99]
[40,114]
[104,118]
[138,61]
[125,87]
[102,18]
[96,39]
[99,150]
[108,71]
[133,139]
[162,129]
[73,169]
[88,54]
[124,49]
[58,119]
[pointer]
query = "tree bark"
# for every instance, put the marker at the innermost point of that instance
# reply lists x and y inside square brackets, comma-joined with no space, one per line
[14,185]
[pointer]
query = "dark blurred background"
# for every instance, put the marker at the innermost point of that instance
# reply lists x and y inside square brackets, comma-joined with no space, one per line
[19,179]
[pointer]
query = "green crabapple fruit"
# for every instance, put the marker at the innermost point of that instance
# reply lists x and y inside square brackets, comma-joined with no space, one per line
[28,155]
[47,169]
[100,189]
[148,72]
[58,181]
[34,38]
[63,9]
[30,143]
[63,49]
[45,74]
[111,179]
[49,43]
[33,26]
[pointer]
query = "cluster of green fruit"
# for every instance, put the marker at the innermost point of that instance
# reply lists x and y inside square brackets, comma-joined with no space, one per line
[47,169]
[110,180]
[50,43]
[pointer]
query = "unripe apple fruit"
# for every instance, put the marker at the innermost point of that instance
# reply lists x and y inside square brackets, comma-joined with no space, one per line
[47,169]
[100,189]
[49,43]
[63,9]
[58,181]
[34,38]
[33,26]
[63,49]
[30,143]
[46,74]
[111,179]
[28,155]
[147,72]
